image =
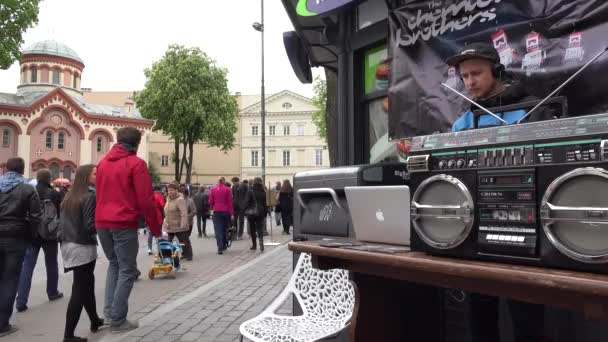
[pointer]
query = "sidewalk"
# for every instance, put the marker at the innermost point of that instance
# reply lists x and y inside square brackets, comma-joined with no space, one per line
[45,320]
[214,311]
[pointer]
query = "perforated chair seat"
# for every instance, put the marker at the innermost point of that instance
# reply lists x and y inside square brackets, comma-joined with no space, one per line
[328,301]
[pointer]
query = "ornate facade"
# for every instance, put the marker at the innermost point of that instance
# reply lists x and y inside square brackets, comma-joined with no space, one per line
[49,124]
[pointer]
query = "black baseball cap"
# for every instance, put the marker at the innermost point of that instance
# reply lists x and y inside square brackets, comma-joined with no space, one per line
[474,50]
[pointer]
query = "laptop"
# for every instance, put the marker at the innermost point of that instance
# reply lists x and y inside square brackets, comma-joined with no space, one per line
[380,214]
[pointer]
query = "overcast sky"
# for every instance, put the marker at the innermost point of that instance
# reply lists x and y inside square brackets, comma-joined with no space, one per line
[119,39]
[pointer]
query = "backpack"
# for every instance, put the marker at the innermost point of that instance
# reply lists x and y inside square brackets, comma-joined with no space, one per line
[49,222]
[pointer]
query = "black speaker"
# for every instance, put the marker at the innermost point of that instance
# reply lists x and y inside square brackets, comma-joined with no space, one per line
[298,56]
[443,214]
[574,217]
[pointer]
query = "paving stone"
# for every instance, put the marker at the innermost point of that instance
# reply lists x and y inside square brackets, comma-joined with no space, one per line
[191,336]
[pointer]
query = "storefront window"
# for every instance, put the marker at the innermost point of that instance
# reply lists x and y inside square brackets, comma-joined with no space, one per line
[376,71]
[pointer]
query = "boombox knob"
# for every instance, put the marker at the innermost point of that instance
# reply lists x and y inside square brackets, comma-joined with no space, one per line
[451,164]
[460,163]
[442,164]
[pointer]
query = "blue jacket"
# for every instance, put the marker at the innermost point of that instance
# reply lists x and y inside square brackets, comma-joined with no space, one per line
[466,121]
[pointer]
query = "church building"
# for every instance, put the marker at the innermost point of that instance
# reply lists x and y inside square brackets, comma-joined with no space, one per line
[48,123]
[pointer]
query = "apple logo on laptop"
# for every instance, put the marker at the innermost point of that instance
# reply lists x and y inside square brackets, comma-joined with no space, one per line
[380,215]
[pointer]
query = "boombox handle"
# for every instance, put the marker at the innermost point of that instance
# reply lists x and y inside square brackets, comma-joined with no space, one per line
[329,191]
[562,101]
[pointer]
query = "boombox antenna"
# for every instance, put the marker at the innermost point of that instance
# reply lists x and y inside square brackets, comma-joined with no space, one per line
[563,84]
[475,103]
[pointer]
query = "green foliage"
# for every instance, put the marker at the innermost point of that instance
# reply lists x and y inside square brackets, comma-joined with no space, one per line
[154,174]
[187,94]
[320,100]
[16,16]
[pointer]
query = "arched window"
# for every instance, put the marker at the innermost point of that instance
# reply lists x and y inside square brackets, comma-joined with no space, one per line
[34,74]
[56,76]
[54,170]
[6,137]
[67,172]
[61,140]
[75,81]
[99,144]
[49,140]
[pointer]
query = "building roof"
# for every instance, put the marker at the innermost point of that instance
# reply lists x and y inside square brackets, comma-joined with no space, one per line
[53,48]
[24,100]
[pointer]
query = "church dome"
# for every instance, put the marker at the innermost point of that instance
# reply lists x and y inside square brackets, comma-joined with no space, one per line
[52,48]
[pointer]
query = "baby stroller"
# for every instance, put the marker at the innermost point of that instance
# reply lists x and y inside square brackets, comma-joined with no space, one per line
[167,259]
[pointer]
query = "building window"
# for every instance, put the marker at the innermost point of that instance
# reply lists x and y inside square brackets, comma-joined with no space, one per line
[285,130]
[54,171]
[272,130]
[318,157]
[254,158]
[56,76]
[286,158]
[67,172]
[164,160]
[49,140]
[99,144]
[61,140]
[287,105]
[34,74]
[75,81]
[6,137]
[254,130]
[300,129]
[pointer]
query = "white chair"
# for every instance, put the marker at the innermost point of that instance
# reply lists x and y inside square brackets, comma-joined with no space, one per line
[328,300]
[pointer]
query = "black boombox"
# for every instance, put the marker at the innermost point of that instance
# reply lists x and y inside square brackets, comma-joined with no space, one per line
[534,193]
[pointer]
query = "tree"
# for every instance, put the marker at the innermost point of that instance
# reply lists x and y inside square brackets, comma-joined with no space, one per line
[16,16]
[320,101]
[187,95]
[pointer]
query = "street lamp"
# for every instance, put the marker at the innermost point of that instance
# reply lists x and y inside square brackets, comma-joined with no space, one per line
[260,28]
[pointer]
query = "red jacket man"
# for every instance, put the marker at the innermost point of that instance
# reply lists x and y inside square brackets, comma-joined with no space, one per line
[123,195]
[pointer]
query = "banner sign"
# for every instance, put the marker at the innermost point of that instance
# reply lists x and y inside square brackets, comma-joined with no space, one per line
[540,42]
[309,8]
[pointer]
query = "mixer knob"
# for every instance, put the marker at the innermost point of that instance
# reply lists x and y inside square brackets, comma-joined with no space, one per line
[451,164]
[460,163]
[442,164]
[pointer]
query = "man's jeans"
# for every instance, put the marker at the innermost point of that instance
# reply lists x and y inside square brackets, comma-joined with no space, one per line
[221,222]
[12,252]
[50,249]
[120,247]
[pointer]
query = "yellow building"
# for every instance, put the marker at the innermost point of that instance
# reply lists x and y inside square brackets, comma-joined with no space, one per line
[293,143]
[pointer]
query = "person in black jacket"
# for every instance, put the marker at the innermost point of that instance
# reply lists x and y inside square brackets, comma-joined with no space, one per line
[255,209]
[286,204]
[19,217]
[47,243]
[201,200]
[79,250]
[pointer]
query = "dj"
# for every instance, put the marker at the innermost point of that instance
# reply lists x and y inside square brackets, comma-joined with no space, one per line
[479,66]
[486,81]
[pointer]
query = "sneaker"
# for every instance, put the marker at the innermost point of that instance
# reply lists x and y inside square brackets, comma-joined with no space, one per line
[57,296]
[21,308]
[97,324]
[149,251]
[123,327]
[75,339]
[9,329]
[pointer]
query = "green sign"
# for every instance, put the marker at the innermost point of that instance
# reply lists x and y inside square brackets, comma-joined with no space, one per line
[376,73]
[310,8]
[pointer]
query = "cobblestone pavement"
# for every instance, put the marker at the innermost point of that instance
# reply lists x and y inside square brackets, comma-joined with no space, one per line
[44,321]
[214,311]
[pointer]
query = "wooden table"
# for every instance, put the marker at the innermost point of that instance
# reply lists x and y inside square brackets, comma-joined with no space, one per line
[378,275]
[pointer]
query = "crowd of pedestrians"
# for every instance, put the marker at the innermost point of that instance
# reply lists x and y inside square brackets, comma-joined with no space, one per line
[106,205]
